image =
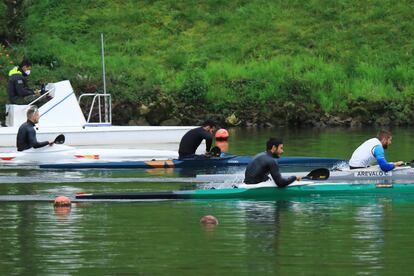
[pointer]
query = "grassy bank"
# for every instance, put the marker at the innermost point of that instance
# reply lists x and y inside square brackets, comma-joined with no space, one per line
[293,62]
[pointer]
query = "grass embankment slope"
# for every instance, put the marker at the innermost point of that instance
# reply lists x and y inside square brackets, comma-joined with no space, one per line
[288,62]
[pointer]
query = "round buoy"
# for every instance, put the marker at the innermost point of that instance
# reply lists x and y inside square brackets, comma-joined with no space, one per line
[209,219]
[62,201]
[222,134]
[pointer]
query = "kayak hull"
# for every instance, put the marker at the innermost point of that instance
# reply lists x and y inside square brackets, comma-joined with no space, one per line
[311,189]
[226,161]
[61,154]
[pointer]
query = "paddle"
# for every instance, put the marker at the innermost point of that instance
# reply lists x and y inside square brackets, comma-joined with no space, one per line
[318,174]
[60,139]
[215,151]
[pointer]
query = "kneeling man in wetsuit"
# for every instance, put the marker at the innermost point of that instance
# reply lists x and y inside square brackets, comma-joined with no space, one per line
[193,138]
[26,136]
[373,150]
[264,163]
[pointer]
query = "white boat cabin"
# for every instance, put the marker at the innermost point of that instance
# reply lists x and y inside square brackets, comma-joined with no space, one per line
[62,108]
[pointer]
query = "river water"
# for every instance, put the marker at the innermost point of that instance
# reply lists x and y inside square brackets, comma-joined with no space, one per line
[300,236]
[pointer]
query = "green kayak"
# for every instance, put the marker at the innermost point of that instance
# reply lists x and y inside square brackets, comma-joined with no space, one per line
[262,192]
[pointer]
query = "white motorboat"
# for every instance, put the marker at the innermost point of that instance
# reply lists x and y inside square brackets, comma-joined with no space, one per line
[62,113]
[62,154]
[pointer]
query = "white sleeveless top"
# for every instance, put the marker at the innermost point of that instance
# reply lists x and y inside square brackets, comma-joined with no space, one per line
[363,156]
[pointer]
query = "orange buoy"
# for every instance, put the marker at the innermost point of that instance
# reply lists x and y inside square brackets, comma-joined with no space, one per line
[62,201]
[222,134]
[209,219]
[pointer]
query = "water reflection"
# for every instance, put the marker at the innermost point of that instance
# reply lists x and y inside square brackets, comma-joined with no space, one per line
[351,234]
[342,231]
[62,211]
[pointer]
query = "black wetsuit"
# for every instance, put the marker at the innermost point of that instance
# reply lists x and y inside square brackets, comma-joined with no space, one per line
[191,140]
[259,168]
[26,137]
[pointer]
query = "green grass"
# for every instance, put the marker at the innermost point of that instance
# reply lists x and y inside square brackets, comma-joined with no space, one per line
[227,56]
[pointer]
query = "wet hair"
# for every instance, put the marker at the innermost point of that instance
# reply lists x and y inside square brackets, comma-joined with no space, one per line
[25,62]
[383,134]
[273,142]
[32,110]
[208,123]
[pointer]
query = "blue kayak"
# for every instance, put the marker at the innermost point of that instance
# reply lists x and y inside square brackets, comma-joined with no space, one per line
[224,161]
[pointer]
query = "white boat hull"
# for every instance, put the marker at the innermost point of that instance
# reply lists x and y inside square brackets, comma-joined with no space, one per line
[102,135]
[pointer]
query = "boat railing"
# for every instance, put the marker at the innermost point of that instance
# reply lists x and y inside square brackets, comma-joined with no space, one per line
[101,102]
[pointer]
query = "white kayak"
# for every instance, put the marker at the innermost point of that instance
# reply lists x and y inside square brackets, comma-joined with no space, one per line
[63,154]
[345,174]
[373,173]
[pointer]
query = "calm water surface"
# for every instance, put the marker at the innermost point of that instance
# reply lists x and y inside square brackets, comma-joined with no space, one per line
[304,236]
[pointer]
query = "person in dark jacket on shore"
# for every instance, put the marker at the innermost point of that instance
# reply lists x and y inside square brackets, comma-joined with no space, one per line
[264,163]
[193,138]
[17,89]
[26,136]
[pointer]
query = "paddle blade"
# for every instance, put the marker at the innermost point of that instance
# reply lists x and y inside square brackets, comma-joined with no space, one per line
[318,174]
[215,151]
[60,139]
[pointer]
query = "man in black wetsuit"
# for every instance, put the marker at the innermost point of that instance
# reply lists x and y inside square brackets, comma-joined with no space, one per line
[193,138]
[26,136]
[264,163]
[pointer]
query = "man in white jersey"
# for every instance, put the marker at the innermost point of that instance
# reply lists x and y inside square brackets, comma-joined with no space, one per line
[373,150]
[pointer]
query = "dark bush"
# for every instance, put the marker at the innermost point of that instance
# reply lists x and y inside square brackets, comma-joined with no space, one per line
[193,90]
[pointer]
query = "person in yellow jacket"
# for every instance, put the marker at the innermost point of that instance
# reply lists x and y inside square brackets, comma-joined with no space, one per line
[19,92]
